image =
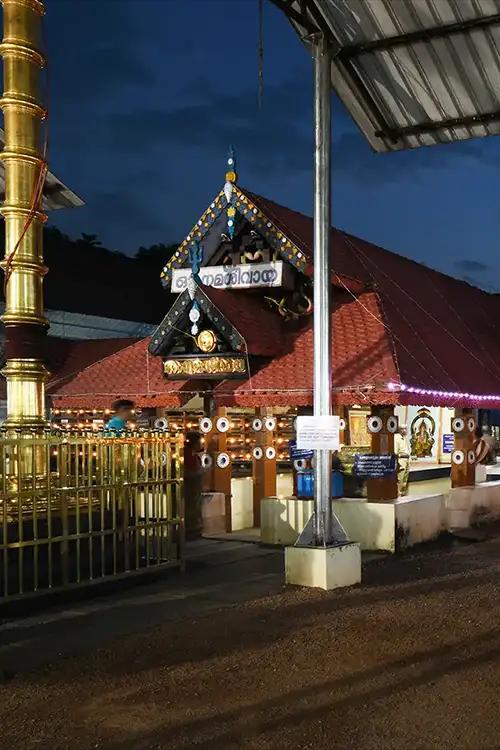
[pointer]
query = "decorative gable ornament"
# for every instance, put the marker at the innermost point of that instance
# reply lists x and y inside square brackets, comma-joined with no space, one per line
[229,204]
[194,316]
[231,178]
[228,191]
[191,287]
[219,349]
[196,258]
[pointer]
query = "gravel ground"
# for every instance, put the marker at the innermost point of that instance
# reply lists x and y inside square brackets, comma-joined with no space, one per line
[411,659]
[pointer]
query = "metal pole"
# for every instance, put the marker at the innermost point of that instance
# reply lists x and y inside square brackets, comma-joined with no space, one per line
[322,280]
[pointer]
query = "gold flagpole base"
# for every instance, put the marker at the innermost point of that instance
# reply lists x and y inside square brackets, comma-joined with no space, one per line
[25,394]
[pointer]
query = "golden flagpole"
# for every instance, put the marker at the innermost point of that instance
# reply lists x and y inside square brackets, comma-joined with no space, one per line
[25,169]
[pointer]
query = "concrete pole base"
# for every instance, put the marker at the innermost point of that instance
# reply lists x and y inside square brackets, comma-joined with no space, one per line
[323,567]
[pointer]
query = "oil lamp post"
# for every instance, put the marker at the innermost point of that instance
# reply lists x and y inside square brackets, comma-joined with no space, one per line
[25,169]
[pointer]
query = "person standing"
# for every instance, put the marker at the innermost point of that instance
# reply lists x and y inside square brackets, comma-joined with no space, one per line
[122,413]
[491,444]
[403,458]
[193,484]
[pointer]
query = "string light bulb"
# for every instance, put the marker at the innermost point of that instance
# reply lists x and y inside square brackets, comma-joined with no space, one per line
[395,387]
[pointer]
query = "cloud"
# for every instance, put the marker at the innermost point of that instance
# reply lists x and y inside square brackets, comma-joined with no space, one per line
[279,135]
[136,88]
[353,157]
[471,266]
[123,214]
[102,54]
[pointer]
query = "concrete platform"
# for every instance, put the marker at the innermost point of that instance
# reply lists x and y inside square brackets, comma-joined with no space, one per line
[467,506]
[241,503]
[213,512]
[420,472]
[386,527]
[493,472]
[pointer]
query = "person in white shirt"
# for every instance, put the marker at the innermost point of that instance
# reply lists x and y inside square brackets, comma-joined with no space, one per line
[402,452]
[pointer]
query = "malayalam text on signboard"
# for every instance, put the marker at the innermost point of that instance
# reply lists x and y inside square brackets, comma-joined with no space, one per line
[448,442]
[232,277]
[374,466]
[318,433]
[297,453]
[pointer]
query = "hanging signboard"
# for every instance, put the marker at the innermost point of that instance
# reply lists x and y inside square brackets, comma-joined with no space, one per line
[244,276]
[374,466]
[298,453]
[318,433]
[448,443]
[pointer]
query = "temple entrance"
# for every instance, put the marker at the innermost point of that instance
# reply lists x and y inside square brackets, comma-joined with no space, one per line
[249,456]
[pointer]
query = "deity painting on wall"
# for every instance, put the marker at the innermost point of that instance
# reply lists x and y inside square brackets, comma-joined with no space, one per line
[422,434]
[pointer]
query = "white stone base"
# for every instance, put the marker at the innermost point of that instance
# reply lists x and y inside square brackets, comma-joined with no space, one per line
[323,567]
[241,503]
[213,513]
[467,506]
[376,526]
[481,473]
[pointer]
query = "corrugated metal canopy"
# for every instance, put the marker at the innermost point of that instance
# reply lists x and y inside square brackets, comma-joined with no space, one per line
[55,193]
[411,72]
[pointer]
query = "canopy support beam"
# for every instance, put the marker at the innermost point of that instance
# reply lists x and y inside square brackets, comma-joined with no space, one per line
[396,134]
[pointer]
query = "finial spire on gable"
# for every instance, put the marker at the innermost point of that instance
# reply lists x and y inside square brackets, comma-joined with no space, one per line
[231,177]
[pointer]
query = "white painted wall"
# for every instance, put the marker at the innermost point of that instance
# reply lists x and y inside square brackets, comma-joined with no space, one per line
[282,519]
[241,503]
[370,524]
[419,519]
[284,485]
[376,526]
[467,506]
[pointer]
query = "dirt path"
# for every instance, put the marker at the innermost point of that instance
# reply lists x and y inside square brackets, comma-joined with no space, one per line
[409,660]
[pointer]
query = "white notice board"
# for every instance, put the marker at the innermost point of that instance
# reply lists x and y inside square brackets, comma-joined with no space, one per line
[318,433]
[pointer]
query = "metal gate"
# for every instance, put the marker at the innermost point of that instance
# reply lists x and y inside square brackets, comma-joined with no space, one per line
[83,508]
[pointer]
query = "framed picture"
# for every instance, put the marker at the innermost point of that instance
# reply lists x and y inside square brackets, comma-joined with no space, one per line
[358,429]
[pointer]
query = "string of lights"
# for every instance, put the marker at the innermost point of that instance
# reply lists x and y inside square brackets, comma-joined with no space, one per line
[241,437]
[457,395]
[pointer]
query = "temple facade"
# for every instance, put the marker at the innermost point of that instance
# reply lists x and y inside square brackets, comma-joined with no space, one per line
[236,345]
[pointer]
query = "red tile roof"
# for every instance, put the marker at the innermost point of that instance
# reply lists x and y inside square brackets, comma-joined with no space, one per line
[66,357]
[130,373]
[411,325]
[362,356]
[445,333]
[262,329]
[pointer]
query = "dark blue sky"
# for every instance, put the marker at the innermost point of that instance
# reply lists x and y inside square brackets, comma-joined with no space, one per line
[147,95]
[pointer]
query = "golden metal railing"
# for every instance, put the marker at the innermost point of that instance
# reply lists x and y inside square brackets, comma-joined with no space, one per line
[76,509]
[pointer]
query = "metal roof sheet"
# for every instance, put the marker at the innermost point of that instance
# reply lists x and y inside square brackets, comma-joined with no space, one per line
[411,72]
[55,193]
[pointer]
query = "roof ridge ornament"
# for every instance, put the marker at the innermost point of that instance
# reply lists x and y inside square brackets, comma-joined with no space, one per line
[231,178]
[196,259]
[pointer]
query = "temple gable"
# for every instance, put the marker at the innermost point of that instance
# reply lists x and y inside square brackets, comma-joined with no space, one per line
[195,340]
